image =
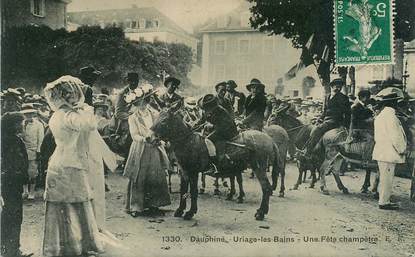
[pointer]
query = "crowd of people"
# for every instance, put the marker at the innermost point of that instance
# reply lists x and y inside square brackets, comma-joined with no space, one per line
[60,138]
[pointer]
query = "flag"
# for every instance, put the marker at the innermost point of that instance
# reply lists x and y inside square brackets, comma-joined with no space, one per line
[291,73]
[315,48]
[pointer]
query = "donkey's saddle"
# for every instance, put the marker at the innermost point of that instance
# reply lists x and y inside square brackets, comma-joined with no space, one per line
[361,147]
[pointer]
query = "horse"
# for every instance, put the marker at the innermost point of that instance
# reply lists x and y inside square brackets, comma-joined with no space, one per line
[253,148]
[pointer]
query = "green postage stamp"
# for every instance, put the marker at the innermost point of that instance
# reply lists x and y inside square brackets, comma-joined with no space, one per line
[363,32]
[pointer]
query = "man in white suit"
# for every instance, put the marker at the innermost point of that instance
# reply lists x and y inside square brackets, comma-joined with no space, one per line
[390,148]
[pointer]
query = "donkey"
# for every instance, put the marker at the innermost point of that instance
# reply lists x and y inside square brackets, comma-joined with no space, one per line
[192,154]
[328,156]
[280,139]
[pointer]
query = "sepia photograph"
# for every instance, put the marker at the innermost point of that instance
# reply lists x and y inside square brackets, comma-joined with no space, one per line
[207,128]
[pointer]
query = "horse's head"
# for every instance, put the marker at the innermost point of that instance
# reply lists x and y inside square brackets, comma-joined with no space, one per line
[169,125]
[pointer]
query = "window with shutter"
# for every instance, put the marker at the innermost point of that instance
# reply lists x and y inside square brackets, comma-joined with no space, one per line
[37,7]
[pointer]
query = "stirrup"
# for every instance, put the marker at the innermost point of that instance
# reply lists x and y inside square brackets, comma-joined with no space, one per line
[212,171]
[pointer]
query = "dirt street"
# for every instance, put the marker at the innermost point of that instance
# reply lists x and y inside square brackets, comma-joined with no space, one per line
[304,223]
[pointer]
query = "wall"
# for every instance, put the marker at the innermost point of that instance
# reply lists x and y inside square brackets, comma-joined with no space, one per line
[296,84]
[410,82]
[148,36]
[17,13]
[365,74]
[247,55]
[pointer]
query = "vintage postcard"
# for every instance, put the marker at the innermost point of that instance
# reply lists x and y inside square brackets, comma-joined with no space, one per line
[207,128]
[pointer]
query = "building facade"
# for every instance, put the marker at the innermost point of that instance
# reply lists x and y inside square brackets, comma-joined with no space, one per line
[51,13]
[231,49]
[409,66]
[147,24]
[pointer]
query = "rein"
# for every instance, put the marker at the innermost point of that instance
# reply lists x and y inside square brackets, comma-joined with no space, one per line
[295,128]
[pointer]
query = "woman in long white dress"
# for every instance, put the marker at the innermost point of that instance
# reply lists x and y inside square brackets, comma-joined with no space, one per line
[147,160]
[70,224]
[99,153]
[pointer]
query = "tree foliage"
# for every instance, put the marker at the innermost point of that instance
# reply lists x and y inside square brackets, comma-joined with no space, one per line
[297,20]
[33,56]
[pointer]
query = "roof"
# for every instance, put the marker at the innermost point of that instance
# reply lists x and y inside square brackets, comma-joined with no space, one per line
[134,13]
[230,21]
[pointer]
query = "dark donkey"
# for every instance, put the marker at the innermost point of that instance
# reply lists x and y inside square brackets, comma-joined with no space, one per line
[280,139]
[329,155]
[298,134]
[192,155]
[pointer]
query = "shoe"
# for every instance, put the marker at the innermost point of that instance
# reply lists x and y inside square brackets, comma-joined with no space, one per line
[389,206]
[26,254]
[31,197]
[135,214]
[25,195]
[324,191]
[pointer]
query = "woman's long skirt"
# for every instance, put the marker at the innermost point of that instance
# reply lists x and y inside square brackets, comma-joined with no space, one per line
[70,229]
[150,188]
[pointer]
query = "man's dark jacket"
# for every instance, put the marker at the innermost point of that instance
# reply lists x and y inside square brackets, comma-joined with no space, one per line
[14,174]
[224,126]
[226,104]
[337,110]
[254,111]
[14,165]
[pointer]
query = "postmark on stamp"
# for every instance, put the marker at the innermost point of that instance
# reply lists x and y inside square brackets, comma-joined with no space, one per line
[363,32]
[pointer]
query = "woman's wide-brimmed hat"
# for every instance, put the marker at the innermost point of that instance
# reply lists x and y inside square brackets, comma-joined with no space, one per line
[176,82]
[12,93]
[207,102]
[140,93]
[255,83]
[390,94]
[390,97]
[21,90]
[67,84]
